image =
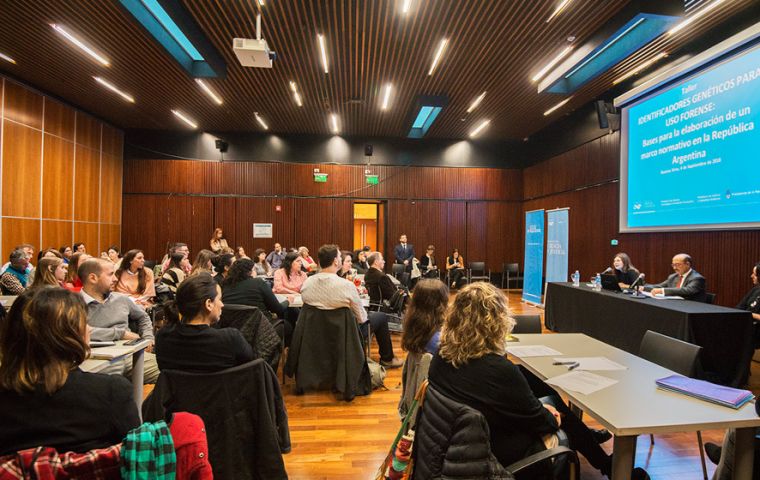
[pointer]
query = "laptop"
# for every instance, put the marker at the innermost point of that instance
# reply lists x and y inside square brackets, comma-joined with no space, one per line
[609,282]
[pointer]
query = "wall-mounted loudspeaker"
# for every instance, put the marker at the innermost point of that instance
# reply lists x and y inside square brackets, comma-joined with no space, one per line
[222,146]
[368,150]
[607,115]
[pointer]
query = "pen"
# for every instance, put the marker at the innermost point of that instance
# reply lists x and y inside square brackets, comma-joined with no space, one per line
[573,366]
[564,363]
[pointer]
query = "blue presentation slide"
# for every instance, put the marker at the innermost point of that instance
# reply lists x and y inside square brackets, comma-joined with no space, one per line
[694,149]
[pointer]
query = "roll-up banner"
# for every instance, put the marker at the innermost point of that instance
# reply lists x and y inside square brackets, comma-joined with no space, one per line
[557,245]
[534,257]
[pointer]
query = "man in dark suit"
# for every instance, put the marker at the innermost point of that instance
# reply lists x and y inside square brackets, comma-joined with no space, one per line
[685,282]
[377,281]
[404,252]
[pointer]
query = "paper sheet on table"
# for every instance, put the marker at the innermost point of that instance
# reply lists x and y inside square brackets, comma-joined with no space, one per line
[662,297]
[523,351]
[581,382]
[592,363]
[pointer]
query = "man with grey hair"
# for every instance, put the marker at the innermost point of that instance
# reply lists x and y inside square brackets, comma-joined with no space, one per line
[29,250]
[16,277]
[110,314]
[685,282]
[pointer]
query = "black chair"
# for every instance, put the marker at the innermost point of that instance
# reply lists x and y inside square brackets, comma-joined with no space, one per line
[267,339]
[677,355]
[397,269]
[527,324]
[510,272]
[477,271]
[710,298]
[150,264]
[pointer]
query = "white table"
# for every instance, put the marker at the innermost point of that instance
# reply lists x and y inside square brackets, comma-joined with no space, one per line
[298,300]
[95,365]
[635,405]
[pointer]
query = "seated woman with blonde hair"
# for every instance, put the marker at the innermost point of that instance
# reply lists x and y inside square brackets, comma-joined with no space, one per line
[133,279]
[204,262]
[50,272]
[45,398]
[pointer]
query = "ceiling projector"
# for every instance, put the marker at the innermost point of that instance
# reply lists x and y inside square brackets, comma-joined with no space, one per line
[254,52]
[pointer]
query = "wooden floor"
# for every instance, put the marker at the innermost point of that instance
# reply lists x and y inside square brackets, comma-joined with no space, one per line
[333,439]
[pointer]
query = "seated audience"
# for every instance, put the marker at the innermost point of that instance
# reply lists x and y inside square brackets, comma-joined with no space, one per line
[175,272]
[50,272]
[361,264]
[685,282]
[751,301]
[188,342]
[424,317]
[203,263]
[471,368]
[308,263]
[263,269]
[428,267]
[72,281]
[326,291]
[455,267]
[378,283]
[624,271]
[218,242]
[290,277]
[79,248]
[113,254]
[16,277]
[242,288]
[133,279]
[222,265]
[347,269]
[276,256]
[28,250]
[48,252]
[240,253]
[44,398]
[111,313]
[178,247]
[67,252]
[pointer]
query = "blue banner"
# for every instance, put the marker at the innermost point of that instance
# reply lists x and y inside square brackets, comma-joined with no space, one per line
[557,244]
[534,256]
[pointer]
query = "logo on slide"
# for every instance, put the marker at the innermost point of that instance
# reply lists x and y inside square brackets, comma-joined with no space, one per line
[728,194]
[637,206]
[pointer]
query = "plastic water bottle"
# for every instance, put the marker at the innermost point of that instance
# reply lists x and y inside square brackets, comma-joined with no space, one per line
[598,283]
[576,277]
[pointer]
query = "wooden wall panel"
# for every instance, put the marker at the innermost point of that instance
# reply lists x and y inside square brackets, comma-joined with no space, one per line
[86,184]
[110,189]
[22,151]
[456,229]
[263,210]
[87,233]
[60,120]
[343,232]
[477,233]
[110,234]
[314,219]
[22,105]
[17,231]
[113,141]
[88,131]
[57,178]
[56,234]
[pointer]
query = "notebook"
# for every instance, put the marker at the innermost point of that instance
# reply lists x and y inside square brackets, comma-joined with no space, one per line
[727,396]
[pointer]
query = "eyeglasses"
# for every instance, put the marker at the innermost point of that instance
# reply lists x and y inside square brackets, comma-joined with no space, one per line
[677,264]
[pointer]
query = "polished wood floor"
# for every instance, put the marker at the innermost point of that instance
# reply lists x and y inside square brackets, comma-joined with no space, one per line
[333,439]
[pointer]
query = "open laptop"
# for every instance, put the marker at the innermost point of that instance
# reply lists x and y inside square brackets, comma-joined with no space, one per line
[609,282]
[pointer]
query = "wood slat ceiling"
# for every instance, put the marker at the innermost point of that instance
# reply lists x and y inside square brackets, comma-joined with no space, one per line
[494,46]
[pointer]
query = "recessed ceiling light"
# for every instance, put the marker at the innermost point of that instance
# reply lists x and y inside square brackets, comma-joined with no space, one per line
[479,128]
[695,16]
[407,6]
[438,55]
[639,68]
[79,43]
[387,96]
[209,91]
[261,121]
[558,10]
[7,58]
[113,88]
[184,118]
[555,107]
[296,95]
[261,2]
[323,51]
[551,63]
[476,102]
[334,123]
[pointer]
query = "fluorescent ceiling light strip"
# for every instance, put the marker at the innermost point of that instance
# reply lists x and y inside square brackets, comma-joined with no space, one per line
[479,128]
[557,10]
[261,2]
[438,55]
[334,122]
[387,96]
[555,107]
[111,87]
[692,18]
[172,29]
[551,63]
[185,119]
[296,96]
[7,58]
[476,102]
[407,6]
[323,51]
[608,45]
[83,46]
[208,91]
[261,121]
[639,68]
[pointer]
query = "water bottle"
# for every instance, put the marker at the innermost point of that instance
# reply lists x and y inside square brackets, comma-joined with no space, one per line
[598,283]
[576,277]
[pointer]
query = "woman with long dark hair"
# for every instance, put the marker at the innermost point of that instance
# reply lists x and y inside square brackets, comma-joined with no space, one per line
[455,267]
[424,317]
[242,288]
[73,281]
[175,271]
[188,342]
[133,279]
[290,277]
[263,269]
[624,270]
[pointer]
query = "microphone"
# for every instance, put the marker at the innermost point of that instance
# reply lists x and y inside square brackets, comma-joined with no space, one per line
[609,270]
[640,277]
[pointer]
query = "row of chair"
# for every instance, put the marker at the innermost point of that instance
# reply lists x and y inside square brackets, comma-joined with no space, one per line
[476,271]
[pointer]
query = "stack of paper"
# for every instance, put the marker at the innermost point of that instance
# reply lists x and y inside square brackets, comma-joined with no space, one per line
[524,351]
[581,382]
[726,396]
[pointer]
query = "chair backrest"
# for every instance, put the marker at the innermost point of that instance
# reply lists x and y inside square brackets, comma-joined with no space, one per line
[150,264]
[527,324]
[416,367]
[256,329]
[477,266]
[710,298]
[512,268]
[669,352]
[397,269]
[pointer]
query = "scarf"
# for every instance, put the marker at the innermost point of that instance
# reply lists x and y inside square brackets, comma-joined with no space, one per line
[22,277]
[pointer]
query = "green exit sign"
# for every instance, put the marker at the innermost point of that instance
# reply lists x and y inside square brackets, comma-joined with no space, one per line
[371,179]
[320,178]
